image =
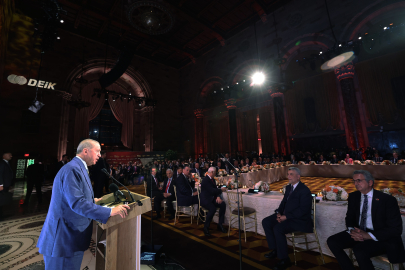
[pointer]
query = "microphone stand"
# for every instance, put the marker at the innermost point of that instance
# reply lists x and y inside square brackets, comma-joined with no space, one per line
[237,192]
[111,177]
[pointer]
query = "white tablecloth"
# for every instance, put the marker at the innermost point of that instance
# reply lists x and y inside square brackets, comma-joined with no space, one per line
[330,216]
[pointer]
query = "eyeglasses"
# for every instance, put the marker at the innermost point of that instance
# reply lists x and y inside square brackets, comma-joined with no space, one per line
[357,181]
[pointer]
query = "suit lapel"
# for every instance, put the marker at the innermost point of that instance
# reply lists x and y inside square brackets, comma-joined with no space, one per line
[86,175]
[374,205]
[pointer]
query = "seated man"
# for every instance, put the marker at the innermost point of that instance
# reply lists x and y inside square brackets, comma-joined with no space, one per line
[153,189]
[198,170]
[334,160]
[209,198]
[395,158]
[293,214]
[377,158]
[348,159]
[374,226]
[168,194]
[186,196]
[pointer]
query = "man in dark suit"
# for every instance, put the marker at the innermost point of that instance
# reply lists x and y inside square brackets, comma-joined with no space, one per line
[293,160]
[168,195]
[98,177]
[293,214]
[395,158]
[186,195]
[374,226]
[178,172]
[334,160]
[197,170]
[219,166]
[62,162]
[6,180]
[209,198]
[68,227]
[320,160]
[154,190]
[35,175]
[377,158]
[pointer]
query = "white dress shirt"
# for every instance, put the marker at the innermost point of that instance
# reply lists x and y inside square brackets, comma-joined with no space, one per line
[85,164]
[369,221]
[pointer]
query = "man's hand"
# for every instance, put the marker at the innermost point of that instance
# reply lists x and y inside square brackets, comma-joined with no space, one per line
[1,188]
[195,193]
[166,195]
[281,218]
[359,235]
[120,210]
[97,199]
[223,189]
[160,188]
[219,201]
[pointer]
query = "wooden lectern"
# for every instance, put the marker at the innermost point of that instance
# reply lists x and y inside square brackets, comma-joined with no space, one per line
[123,235]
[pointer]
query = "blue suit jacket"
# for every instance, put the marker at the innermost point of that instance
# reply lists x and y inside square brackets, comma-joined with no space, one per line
[68,225]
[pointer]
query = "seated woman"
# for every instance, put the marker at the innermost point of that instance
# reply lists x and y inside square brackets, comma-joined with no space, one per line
[348,159]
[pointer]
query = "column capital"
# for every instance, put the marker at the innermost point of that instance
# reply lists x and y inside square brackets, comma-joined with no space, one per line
[275,94]
[199,113]
[345,72]
[230,103]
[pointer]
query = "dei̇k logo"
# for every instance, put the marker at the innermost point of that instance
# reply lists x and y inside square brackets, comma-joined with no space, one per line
[21,80]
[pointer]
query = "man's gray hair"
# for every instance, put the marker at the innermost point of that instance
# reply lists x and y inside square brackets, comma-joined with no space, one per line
[169,170]
[87,143]
[212,169]
[367,175]
[295,169]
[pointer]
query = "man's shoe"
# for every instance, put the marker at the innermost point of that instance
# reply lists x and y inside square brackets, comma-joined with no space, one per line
[283,264]
[271,255]
[221,229]
[206,232]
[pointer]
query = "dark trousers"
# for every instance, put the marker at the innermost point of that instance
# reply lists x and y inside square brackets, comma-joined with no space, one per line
[212,208]
[275,234]
[169,203]
[30,187]
[363,251]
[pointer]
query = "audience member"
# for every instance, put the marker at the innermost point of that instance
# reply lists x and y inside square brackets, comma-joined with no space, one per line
[186,195]
[293,214]
[35,175]
[210,199]
[61,163]
[374,226]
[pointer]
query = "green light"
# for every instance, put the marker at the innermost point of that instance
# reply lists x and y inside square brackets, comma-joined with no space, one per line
[298,43]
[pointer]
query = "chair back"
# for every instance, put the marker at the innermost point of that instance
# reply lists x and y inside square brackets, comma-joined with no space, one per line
[313,211]
[233,201]
[198,193]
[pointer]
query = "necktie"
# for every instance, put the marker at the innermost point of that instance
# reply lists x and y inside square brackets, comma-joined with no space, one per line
[292,189]
[168,185]
[155,181]
[363,221]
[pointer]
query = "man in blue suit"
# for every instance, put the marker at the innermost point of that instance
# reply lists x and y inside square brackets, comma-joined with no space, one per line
[293,214]
[186,195]
[68,226]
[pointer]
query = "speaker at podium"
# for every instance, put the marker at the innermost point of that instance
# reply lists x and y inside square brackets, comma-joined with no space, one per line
[121,236]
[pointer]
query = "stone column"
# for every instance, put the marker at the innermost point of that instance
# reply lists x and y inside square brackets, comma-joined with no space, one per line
[280,123]
[345,75]
[233,131]
[199,132]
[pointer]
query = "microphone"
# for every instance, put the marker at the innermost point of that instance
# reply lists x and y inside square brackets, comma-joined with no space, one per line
[110,176]
[114,188]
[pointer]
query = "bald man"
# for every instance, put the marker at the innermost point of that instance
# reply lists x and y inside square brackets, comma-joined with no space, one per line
[68,226]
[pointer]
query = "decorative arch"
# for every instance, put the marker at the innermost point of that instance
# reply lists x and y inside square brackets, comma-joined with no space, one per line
[132,79]
[206,88]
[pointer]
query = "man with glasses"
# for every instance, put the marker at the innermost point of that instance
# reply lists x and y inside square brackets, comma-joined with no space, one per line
[374,226]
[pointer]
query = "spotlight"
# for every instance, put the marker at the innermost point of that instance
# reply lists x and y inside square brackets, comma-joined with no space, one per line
[130,93]
[359,36]
[140,104]
[228,86]
[385,28]
[57,37]
[113,99]
[222,89]
[62,21]
[243,80]
[215,92]
[340,45]
[36,106]
[320,51]
[237,83]
[258,78]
